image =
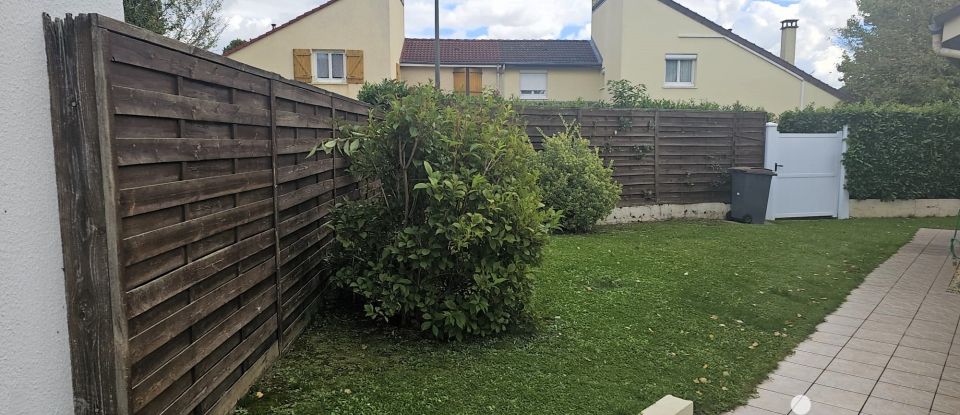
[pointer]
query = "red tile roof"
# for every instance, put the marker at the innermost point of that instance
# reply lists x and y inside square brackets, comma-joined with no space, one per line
[502,52]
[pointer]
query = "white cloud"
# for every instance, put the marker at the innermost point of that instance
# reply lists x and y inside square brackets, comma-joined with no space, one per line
[759,22]
[755,20]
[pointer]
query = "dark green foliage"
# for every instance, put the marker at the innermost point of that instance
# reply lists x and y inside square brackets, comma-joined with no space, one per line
[382,94]
[147,14]
[813,120]
[895,151]
[575,182]
[627,95]
[892,59]
[235,43]
[195,22]
[448,241]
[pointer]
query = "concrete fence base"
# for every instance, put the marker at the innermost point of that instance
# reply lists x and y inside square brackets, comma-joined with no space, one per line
[650,213]
[873,208]
[669,405]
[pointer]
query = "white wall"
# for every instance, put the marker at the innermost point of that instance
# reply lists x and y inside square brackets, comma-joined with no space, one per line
[34,350]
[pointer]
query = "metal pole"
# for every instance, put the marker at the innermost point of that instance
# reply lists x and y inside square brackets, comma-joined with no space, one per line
[436,43]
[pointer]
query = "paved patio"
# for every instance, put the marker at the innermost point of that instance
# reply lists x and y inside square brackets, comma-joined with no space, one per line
[891,348]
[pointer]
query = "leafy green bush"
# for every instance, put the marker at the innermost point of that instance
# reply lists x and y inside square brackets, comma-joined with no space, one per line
[382,94]
[575,182]
[814,119]
[449,241]
[894,151]
[624,94]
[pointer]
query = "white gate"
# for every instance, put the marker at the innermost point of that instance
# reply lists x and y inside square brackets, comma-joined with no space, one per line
[810,176]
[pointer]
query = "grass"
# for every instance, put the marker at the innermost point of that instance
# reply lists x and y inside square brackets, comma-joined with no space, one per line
[622,317]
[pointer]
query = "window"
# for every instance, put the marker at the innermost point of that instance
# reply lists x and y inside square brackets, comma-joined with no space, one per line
[329,66]
[533,85]
[464,76]
[680,70]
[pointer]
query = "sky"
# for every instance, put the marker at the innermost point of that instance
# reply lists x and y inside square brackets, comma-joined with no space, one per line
[755,20]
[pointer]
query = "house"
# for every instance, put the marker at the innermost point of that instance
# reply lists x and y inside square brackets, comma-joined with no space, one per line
[945,29]
[677,53]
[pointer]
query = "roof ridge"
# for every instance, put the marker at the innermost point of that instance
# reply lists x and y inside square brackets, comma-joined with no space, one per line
[288,23]
[766,54]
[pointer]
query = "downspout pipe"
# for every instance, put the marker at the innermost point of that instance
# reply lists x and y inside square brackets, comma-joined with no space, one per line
[936,30]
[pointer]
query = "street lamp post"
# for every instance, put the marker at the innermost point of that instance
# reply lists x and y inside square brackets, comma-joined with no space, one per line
[436,43]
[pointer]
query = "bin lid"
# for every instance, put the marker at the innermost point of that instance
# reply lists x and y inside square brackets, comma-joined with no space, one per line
[752,170]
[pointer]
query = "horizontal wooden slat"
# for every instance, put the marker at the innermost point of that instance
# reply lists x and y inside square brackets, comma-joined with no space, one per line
[147,245]
[298,94]
[302,145]
[129,101]
[292,302]
[161,150]
[299,171]
[144,199]
[152,338]
[293,119]
[156,382]
[314,214]
[303,244]
[139,53]
[296,197]
[144,297]
[202,386]
[289,277]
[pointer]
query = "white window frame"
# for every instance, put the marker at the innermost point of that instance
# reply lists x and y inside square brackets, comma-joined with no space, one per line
[331,79]
[546,81]
[693,70]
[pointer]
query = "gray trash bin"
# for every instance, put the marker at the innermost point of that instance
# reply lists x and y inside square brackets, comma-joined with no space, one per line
[750,189]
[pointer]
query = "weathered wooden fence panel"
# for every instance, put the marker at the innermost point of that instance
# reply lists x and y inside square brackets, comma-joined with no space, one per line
[192,219]
[663,156]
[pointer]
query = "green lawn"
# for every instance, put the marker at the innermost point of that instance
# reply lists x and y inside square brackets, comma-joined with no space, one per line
[622,317]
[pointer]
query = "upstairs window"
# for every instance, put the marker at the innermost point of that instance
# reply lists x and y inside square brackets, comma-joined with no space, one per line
[533,85]
[680,71]
[329,66]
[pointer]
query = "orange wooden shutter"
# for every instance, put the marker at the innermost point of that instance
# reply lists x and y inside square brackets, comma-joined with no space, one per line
[302,69]
[476,81]
[354,66]
[459,80]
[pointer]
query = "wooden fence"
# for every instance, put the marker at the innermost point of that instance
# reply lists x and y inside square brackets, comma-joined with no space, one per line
[192,222]
[663,156]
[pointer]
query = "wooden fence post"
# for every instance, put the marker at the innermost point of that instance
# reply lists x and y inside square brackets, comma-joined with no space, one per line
[656,156]
[89,222]
[276,209]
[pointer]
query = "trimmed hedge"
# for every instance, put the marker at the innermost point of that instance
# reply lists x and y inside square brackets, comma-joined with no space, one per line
[894,151]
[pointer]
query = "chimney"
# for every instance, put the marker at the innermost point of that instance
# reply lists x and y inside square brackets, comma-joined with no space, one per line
[273,26]
[788,40]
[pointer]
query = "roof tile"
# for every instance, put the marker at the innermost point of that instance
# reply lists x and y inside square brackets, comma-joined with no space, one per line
[501,52]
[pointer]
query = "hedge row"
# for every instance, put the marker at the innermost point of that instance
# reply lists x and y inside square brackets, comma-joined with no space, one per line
[894,151]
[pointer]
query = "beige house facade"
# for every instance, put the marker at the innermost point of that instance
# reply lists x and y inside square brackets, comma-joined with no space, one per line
[945,29]
[676,53]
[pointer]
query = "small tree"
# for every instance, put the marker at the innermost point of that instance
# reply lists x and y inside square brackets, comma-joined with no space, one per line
[448,242]
[384,93]
[195,22]
[235,43]
[575,182]
[627,95]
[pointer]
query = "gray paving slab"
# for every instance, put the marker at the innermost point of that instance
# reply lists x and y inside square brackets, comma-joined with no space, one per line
[892,348]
